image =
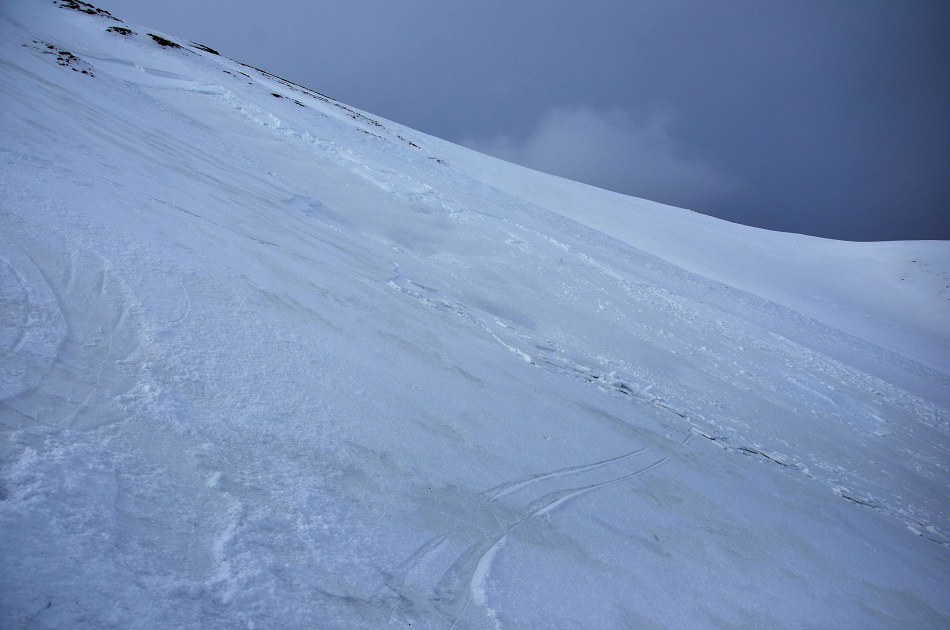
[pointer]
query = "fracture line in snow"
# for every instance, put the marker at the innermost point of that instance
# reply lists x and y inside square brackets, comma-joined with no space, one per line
[524,355]
[458,310]
[603,380]
[480,573]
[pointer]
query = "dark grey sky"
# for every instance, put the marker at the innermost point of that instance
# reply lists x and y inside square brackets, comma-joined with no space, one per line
[825,118]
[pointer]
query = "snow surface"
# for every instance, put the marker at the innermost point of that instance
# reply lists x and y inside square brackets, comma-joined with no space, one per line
[270,361]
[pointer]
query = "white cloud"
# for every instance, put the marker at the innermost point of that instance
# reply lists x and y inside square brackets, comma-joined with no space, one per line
[613,149]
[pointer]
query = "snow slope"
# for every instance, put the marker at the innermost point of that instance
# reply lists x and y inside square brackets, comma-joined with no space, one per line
[270,361]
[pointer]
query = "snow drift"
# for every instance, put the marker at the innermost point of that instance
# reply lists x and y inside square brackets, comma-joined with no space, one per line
[272,361]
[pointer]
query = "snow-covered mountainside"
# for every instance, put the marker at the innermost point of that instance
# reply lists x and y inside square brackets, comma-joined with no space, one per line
[270,361]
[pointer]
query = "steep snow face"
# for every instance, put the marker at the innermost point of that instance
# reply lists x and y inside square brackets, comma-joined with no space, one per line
[268,360]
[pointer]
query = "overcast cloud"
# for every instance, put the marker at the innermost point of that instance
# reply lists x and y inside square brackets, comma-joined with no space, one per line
[826,118]
[612,149]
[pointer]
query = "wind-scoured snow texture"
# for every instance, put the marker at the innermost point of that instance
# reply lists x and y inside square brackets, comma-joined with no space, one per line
[270,361]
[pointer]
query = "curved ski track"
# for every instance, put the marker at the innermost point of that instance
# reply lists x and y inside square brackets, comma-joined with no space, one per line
[85,343]
[504,509]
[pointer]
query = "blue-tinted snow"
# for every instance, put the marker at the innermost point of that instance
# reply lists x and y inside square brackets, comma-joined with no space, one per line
[269,361]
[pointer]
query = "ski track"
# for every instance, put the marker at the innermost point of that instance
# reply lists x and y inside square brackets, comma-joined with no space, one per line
[718,322]
[41,330]
[93,365]
[399,185]
[478,578]
[475,574]
[509,487]
[26,323]
[470,570]
[86,338]
[804,364]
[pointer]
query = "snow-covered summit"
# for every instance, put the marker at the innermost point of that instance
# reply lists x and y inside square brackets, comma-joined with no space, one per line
[267,360]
